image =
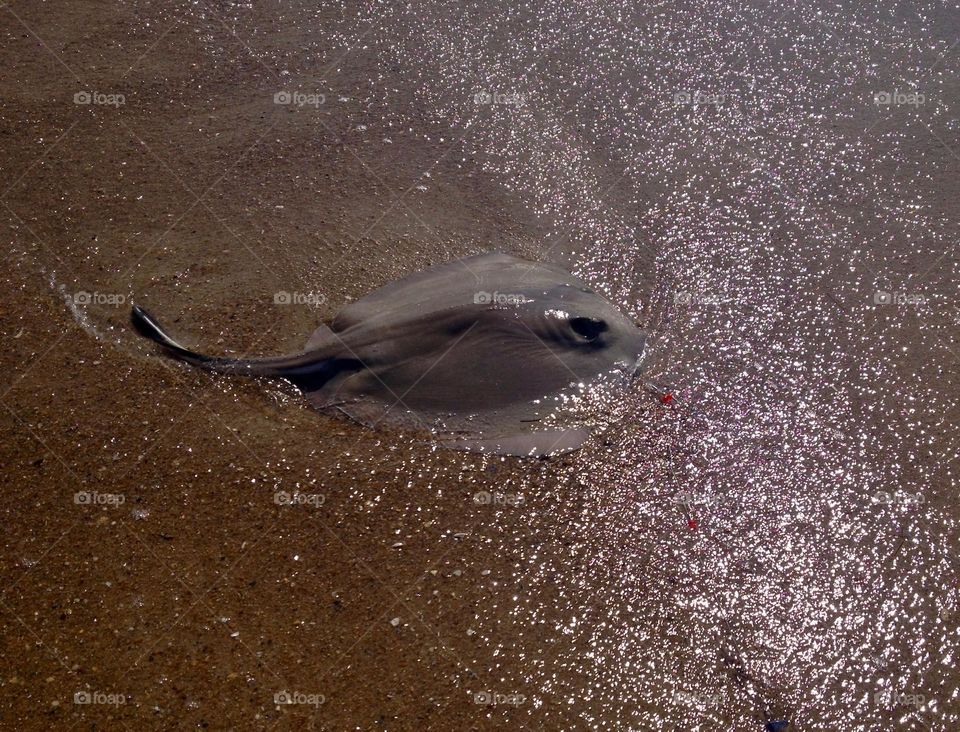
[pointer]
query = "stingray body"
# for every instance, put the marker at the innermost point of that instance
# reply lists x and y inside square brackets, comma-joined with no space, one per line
[482,351]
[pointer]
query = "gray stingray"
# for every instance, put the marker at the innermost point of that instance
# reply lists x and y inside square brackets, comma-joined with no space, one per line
[482,351]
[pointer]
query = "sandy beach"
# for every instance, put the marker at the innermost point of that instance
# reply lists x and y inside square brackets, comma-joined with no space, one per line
[778,543]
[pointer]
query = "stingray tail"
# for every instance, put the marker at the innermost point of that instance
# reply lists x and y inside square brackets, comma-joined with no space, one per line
[300,368]
[146,326]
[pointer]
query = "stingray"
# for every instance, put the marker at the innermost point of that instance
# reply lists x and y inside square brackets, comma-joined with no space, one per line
[484,352]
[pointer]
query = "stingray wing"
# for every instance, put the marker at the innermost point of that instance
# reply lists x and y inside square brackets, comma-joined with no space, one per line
[486,367]
[538,443]
[438,288]
[486,388]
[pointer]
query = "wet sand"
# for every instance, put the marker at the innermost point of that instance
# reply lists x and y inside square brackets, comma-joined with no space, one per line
[147,561]
[199,598]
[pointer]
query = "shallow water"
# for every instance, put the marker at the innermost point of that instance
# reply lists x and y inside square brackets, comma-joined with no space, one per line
[735,176]
[770,191]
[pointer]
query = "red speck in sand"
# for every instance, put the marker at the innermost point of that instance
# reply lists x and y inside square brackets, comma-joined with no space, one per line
[692,523]
[666,398]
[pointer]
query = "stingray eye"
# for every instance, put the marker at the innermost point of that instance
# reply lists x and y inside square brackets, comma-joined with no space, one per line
[589,328]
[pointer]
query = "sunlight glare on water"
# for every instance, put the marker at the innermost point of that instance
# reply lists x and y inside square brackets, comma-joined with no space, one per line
[774,542]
